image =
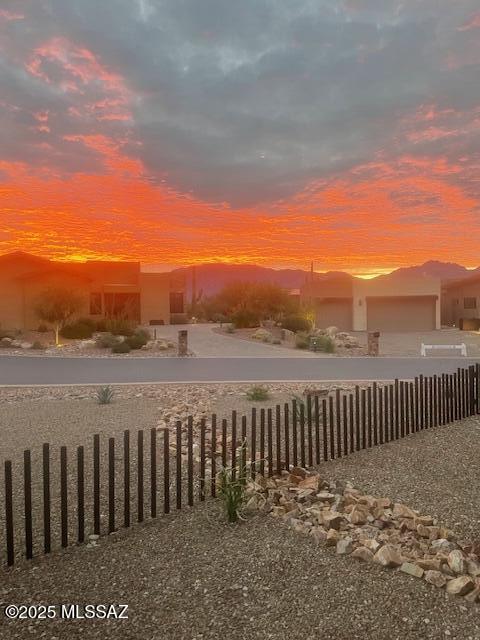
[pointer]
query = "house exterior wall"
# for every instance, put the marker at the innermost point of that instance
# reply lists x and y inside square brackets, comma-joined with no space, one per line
[24,277]
[395,288]
[453,303]
[155,298]
[404,295]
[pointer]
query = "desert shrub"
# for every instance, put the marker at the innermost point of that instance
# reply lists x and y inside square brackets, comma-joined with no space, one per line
[79,330]
[296,322]
[258,392]
[105,395]
[42,328]
[326,344]
[106,341]
[38,345]
[261,334]
[120,326]
[245,319]
[121,347]
[232,486]
[230,328]
[138,340]
[302,340]
[276,341]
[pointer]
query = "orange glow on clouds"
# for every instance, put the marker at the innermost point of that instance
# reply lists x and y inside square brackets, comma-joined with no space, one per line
[377,216]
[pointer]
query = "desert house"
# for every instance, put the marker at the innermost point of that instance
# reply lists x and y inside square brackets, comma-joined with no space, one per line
[461,303]
[107,288]
[386,303]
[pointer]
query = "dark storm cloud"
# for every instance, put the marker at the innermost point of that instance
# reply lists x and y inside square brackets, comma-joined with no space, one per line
[247,101]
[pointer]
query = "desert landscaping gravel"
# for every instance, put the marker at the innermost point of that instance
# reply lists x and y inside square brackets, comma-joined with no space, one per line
[191,576]
[434,471]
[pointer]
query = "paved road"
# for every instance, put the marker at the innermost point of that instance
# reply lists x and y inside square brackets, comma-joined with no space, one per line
[25,370]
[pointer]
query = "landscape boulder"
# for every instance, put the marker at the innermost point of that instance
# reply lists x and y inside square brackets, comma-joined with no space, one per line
[460,586]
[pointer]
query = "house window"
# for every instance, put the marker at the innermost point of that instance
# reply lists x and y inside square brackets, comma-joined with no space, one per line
[176,302]
[469,303]
[95,304]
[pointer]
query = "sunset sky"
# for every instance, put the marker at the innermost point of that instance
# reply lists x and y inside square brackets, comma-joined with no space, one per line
[268,131]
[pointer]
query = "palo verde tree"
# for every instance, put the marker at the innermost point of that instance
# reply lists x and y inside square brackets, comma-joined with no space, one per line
[57,306]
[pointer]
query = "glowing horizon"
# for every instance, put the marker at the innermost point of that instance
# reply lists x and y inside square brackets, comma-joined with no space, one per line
[355,145]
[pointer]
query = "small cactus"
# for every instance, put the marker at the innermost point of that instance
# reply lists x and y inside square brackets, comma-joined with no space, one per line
[105,395]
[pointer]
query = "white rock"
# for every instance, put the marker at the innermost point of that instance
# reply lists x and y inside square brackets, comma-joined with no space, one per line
[344,546]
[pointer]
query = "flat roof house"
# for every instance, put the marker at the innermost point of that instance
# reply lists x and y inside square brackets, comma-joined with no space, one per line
[106,288]
[461,302]
[386,303]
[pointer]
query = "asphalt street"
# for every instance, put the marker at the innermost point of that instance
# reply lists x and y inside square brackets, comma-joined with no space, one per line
[38,370]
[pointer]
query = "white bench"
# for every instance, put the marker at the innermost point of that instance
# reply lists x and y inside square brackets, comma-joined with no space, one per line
[460,347]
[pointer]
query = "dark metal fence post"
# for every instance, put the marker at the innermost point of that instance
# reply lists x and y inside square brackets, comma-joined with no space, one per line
[338,423]
[201,494]
[27,492]
[309,430]
[111,485]
[140,476]
[166,471]
[96,484]
[286,429]
[63,496]
[262,441]
[80,494]
[213,460]
[153,472]
[9,536]
[126,478]
[278,439]
[46,498]
[190,460]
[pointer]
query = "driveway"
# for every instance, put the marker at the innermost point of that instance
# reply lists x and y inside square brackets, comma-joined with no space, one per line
[206,343]
[28,370]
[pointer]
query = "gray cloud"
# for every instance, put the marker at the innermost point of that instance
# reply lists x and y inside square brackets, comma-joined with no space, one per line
[246,102]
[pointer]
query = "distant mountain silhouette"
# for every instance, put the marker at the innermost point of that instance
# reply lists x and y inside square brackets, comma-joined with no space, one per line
[211,278]
[433,268]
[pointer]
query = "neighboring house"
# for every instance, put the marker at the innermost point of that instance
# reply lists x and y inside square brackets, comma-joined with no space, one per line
[461,302]
[386,303]
[106,288]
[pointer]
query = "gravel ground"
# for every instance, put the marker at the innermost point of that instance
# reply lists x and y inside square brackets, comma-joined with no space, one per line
[191,577]
[434,471]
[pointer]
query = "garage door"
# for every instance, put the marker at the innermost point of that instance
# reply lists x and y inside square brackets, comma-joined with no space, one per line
[405,313]
[335,312]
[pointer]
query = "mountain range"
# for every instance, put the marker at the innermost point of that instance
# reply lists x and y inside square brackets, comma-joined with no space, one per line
[211,278]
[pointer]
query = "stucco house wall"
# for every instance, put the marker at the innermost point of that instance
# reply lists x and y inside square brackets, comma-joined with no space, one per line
[453,303]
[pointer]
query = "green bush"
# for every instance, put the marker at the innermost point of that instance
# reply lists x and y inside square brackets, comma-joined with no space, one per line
[138,340]
[326,344]
[38,345]
[295,323]
[120,326]
[106,341]
[121,347]
[245,319]
[232,486]
[79,330]
[302,340]
[257,393]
